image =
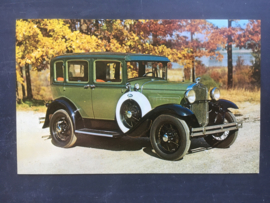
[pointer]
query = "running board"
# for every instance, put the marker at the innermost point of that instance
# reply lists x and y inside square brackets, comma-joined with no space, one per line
[102,133]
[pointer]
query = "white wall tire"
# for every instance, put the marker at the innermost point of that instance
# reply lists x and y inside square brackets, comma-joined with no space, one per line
[140,99]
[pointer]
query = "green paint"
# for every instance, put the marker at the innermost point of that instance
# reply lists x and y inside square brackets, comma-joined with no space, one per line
[100,102]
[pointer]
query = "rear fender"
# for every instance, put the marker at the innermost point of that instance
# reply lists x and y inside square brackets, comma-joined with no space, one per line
[170,109]
[63,103]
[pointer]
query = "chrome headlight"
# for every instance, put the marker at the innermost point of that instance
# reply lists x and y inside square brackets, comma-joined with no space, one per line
[215,94]
[136,86]
[190,96]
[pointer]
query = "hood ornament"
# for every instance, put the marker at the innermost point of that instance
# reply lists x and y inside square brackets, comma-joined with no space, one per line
[198,80]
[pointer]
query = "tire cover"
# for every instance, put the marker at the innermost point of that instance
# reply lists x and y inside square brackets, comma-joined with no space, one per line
[139,98]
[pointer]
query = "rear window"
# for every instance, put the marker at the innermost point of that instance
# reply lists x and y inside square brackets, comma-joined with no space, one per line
[78,71]
[59,72]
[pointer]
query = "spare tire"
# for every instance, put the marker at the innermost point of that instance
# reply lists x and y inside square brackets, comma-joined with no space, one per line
[130,108]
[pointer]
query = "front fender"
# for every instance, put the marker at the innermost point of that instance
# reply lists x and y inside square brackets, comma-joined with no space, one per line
[62,103]
[218,109]
[225,104]
[170,109]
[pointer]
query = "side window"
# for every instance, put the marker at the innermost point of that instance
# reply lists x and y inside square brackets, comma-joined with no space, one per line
[59,71]
[77,71]
[108,71]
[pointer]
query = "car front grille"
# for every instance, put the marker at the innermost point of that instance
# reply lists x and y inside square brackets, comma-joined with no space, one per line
[200,107]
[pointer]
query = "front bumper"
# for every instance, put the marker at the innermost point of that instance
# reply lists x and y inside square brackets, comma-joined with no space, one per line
[213,129]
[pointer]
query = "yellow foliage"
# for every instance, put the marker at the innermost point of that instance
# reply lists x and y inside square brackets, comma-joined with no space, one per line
[35,47]
[19,77]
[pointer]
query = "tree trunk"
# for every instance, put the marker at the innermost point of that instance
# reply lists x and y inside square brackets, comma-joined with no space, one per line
[17,92]
[28,82]
[193,61]
[23,89]
[229,54]
[191,75]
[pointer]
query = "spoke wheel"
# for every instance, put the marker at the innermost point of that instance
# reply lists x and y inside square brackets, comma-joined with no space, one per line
[226,139]
[130,113]
[170,137]
[222,136]
[62,130]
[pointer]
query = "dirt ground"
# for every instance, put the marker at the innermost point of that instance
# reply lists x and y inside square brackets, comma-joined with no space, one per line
[99,155]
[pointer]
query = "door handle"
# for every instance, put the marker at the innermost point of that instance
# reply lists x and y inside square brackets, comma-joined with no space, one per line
[86,86]
[92,86]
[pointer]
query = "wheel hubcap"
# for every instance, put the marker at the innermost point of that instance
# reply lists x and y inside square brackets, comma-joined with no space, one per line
[61,129]
[168,138]
[165,138]
[130,113]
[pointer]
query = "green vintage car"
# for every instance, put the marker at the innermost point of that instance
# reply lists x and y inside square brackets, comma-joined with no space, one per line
[124,94]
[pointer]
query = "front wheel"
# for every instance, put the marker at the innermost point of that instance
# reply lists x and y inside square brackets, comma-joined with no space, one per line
[169,137]
[226,139]
[62,129]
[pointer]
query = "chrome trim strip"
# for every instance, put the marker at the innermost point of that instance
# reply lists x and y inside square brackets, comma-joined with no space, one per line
[214,129]
[107,131]
[92,133]
[190,87]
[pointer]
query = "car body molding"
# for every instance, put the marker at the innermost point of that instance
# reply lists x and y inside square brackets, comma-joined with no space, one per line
[169,109]
[61,103]
[227,104]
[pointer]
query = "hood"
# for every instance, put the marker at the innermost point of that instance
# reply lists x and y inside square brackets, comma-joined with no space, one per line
[159,84]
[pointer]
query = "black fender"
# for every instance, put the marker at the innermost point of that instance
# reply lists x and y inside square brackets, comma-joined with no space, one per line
[176,110]
[218,109]
[225,104]
[63,103]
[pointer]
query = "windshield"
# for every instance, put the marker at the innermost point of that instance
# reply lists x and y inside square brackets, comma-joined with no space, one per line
[147,69]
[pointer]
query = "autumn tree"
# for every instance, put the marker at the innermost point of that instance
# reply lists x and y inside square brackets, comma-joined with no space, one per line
[250,38]
[37,41]
[160,37]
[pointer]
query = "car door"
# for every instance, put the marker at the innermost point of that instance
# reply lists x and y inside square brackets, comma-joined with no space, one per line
[108,87]
[78,79]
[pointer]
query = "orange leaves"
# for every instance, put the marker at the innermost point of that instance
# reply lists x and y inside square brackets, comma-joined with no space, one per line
[250,37]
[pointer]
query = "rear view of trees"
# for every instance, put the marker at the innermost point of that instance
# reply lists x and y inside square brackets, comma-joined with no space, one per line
[38,41]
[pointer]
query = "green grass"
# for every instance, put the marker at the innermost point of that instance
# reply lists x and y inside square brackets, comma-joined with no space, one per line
[32,105]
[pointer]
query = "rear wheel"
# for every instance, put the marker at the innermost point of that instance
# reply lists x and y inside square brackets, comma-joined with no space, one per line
[62,129]
[169,137]
[226,139]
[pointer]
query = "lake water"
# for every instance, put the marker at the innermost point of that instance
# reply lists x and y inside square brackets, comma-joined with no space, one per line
[244,54]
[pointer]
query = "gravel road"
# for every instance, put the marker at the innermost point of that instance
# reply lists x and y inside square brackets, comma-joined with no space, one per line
[99,155]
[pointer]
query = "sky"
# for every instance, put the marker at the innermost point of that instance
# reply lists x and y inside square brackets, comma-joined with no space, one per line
[224,23]
[219,23]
